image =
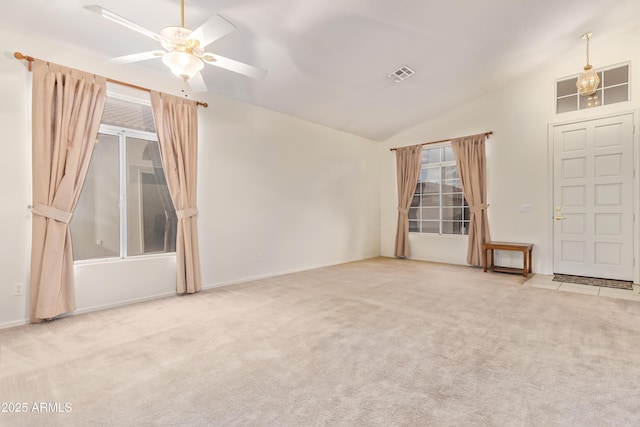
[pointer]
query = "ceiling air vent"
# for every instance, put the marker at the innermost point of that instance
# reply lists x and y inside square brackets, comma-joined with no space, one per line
[401,73]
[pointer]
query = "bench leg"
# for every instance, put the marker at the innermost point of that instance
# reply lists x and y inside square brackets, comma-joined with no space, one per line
[525,269]
[484,259]
[530,250]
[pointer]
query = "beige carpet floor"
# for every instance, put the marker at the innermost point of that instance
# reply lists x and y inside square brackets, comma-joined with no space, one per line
[381,342]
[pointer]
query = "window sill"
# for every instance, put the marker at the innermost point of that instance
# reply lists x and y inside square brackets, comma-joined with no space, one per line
[454,236]
[119,259]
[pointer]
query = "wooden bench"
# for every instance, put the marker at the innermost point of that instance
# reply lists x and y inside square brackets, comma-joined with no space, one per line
[488,256]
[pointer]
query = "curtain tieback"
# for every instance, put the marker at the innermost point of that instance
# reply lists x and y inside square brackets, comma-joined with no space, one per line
[478,208]
[403,210]
[186,213]
[51,212]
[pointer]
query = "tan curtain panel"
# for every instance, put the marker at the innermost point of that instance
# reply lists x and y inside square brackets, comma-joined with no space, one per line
[177,127]
[67,108]
[408,162]
[472,169]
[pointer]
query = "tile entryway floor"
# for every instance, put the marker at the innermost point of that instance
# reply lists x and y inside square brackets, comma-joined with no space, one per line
[546,282]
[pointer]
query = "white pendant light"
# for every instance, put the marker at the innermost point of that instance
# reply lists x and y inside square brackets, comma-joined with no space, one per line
[183,64]
[588,80]
[183,56]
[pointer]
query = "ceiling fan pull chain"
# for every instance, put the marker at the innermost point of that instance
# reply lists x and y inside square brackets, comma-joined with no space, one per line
[185,89]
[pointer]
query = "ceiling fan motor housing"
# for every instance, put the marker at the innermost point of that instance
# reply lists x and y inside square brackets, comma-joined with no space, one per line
[177,39]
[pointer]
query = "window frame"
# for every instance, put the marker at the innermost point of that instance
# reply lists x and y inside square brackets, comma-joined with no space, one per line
[441,165]
[602,88]
[122,133]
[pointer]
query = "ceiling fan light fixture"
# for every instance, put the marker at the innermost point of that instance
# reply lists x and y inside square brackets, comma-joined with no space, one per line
[588,80]
[183,64]
[174,36]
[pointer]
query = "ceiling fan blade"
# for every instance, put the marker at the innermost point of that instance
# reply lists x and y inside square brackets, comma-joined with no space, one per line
[235,66]
[213,29]
[197,83]
[143,56]
[122,21]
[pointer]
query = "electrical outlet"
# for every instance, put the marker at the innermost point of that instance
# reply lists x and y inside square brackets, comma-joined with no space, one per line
[18,289]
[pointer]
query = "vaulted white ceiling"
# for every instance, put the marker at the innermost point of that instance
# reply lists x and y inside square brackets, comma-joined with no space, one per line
[328,60]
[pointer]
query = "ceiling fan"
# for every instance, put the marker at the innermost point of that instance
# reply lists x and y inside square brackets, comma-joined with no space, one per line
[184,48]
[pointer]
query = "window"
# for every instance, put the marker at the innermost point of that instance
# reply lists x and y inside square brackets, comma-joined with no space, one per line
[614,87]
[438,204]
[125,208]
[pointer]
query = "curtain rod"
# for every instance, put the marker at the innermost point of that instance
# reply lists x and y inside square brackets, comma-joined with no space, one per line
[445,140]
[30,59]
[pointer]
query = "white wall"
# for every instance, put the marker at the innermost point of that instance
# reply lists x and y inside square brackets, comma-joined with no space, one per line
[15,186]
[279,194]
[276,194]
[518,162]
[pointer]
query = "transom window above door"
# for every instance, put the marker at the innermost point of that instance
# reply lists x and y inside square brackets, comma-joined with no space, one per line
[614,87]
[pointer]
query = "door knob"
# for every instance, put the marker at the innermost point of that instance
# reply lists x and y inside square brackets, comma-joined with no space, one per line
[558,209]
[560,217]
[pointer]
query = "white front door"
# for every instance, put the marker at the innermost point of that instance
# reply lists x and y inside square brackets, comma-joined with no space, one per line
[593,198]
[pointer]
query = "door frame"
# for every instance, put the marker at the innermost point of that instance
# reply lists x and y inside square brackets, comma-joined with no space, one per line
[636,182]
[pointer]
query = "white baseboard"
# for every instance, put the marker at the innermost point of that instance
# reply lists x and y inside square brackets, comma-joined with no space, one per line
[119,304]
[93,308]
[14,323]
[169,294]
[281,273]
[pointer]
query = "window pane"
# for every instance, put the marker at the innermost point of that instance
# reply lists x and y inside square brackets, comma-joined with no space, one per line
[413,213]
[448,154]
[430,227]
[566,87]
[431,188]
[467,213]
[451,227]
[129,115]
[95,227]
[431,155]
[413,227]
[569,103]
[449,172]
[452,186]
[415,201]
[465,227]
[616,94]
[452,199]
[451,214]
[591,101]
[616,76]
[431,200]
[151,218]
[430,175]
[431,213]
